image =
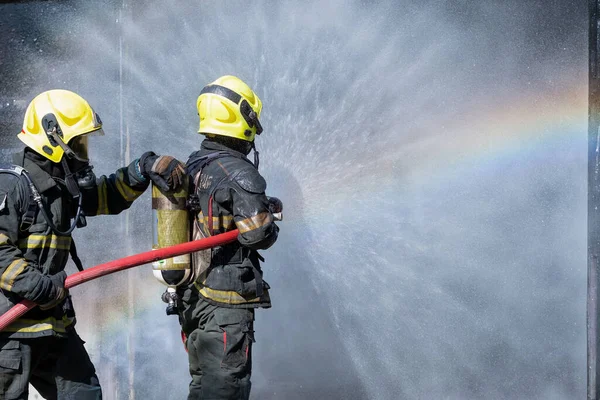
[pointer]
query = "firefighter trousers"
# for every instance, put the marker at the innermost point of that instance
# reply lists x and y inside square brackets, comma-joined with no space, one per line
[58,368]
[220,352]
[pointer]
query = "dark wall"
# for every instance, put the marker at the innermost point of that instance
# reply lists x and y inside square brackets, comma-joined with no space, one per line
[38,52]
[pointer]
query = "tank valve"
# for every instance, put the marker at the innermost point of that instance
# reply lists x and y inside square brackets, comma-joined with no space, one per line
[171,298]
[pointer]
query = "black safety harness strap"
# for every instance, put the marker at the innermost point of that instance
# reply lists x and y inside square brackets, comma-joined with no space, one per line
[74,256]
[29,217]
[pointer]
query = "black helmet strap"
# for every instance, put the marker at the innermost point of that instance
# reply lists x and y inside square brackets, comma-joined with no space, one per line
[256,158]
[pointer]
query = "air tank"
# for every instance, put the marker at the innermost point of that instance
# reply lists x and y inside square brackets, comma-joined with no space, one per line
[171,226]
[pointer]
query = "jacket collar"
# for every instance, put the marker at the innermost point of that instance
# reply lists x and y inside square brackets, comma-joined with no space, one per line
[208,146]
[41,179]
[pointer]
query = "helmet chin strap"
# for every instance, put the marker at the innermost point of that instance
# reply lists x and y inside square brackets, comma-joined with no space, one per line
[70,180]
[256,156]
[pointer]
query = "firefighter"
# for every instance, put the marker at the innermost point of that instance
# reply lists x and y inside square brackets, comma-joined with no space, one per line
[217,309]
[48,192]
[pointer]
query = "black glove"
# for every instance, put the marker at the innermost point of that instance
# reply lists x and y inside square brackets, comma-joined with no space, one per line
[57,291]
[166,172]
[276,208]
[275,205]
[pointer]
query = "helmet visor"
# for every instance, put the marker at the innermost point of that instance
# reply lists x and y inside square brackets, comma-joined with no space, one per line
[79,146]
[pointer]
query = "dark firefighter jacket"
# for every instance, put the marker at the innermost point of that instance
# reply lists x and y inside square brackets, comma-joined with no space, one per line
[27,258]
[231,195]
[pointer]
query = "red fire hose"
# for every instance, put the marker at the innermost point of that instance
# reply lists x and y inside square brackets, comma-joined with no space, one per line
[122,264]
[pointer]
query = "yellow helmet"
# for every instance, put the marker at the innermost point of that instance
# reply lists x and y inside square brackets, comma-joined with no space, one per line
[53,119]
[228,107]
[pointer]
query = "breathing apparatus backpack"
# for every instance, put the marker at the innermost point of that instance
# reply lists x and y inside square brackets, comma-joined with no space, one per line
[175,222]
